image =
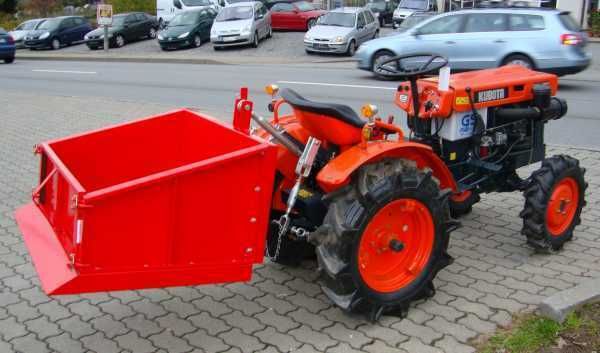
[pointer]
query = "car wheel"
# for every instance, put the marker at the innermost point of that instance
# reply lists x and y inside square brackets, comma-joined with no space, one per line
[378,58]
[255,40]
[311,23]
[351,48]
[152,33]
[270,33]
[518,59]
[55,44]
[197,41]
[119,41]
[9,60]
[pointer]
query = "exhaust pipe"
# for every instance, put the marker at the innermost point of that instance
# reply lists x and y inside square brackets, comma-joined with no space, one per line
[556,109]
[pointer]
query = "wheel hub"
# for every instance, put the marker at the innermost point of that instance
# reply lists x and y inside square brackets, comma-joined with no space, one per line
[562,206]
[396,245]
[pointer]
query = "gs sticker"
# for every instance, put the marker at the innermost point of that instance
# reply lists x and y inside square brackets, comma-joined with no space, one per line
[462,100]
[467,124]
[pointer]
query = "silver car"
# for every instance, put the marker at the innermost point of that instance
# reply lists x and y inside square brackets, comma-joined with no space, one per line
[19,33]
[542,39]
[342,31]
[241,23]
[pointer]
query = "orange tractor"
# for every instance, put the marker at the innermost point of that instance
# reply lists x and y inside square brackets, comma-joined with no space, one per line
[374,204]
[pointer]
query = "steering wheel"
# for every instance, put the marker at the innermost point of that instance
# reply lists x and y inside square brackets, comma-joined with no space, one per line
[401,72]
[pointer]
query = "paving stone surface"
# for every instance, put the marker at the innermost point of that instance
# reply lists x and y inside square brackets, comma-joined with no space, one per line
[282,309]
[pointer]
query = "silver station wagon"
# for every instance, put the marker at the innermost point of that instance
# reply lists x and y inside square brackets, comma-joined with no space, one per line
[543,39]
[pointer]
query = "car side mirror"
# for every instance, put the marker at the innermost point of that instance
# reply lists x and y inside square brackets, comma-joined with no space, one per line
[177,4]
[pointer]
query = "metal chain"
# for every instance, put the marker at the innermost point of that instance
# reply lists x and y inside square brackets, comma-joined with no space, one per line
[280,233]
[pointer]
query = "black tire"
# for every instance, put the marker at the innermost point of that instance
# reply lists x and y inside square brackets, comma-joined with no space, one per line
[379,56]
[197,41]
[55,44]
[463,207]
[9,60]
[255,40]
[538,193]
[519,59]
[311,23]
[119,41]
[351,48]
[270,32]
[349,214]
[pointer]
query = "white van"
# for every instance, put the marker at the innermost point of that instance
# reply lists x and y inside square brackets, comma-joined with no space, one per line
[167,9]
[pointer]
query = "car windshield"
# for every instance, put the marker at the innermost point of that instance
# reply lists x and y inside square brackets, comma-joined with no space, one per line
[235,13]
[304,6]
[184,19]
[413,4]
[376,6]
[412,21]
[50,24]
[26,26]
[339,19]
[196,2]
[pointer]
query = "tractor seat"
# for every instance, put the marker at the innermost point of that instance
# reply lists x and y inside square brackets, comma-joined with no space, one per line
[337,111]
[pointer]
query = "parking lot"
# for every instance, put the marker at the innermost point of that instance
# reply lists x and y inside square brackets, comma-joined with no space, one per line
[284,46]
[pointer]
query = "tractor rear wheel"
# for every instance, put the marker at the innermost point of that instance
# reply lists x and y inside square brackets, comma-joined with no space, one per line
[384,239]
[554,199]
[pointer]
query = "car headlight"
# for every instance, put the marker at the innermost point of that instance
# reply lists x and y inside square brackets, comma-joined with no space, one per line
[45,35]
[160,37]
[86,37]
[246,29]
[309,38]
[183,35]
[339,40]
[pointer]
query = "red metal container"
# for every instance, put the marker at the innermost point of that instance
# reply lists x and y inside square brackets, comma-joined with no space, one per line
[175,199]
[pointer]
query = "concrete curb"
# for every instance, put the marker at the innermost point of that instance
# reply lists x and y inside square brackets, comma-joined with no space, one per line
[559,305]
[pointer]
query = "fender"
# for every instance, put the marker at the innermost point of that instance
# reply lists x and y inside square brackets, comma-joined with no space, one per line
[337,172]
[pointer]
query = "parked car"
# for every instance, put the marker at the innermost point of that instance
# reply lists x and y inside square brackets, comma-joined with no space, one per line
[58,31]
[383,10]
[21,31]
[126,27]
[544,40]
[187,29]
[414,20]
[409,7]
[342,31]
[166,10]
[296,15]
[7,47]
[241,23]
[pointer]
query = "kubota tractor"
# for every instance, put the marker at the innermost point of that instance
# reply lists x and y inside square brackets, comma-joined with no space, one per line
[375,204]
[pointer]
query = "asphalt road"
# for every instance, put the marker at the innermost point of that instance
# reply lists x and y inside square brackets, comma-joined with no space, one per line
[212,88]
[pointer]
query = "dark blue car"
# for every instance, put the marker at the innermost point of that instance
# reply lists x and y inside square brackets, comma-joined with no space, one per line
[57,32]
[7,47]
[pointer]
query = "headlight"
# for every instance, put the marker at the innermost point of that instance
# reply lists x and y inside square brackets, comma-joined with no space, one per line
[160,37]
[309,38]
[86,37]
[45,35]
[183,35]
[339,40]
[247,29]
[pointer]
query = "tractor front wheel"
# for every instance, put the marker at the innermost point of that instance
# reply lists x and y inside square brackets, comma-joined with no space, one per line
[554,199]
[382,242]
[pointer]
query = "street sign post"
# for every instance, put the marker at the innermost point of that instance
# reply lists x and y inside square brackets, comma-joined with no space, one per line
[104,17]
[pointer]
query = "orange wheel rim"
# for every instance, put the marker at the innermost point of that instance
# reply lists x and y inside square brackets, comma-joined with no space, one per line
[396,245]
[562,206]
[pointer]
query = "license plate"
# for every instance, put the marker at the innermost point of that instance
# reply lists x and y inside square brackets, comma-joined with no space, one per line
[228,39]
[491,95]
[321,46]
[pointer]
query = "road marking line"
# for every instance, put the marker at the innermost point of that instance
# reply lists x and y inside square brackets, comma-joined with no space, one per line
[67,72]
[336,85]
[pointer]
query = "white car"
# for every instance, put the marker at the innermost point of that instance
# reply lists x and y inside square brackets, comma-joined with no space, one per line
[241,23]
[167,9]
[19,33]
[408,7]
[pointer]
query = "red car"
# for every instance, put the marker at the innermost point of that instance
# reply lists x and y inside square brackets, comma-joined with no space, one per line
[298,15]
